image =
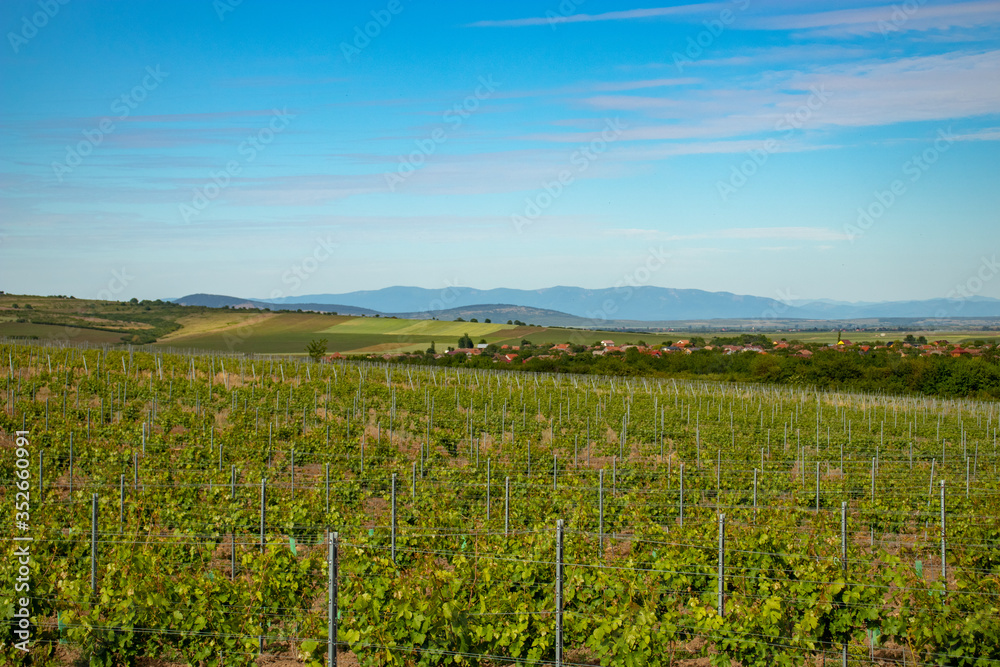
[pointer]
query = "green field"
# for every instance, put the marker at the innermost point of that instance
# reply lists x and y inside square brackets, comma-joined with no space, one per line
[289,333]
[277,333]
[414,328]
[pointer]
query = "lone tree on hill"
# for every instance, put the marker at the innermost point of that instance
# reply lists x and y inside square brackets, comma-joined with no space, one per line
[316,349]
[465,342]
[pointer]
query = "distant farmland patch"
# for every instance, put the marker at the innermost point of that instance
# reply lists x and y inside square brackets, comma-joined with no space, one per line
[376,325]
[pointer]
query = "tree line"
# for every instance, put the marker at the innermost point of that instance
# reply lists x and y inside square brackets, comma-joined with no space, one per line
[876,371]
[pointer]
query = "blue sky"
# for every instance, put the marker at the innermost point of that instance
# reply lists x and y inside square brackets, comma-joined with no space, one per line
[842,150]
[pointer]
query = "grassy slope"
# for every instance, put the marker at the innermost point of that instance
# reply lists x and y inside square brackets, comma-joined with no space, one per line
[212,322]
[89,320]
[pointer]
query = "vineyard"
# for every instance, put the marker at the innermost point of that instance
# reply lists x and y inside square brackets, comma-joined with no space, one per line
[237,510]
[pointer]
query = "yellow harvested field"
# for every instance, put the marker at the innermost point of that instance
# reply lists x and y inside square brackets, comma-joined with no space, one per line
[214,322]
[378,325]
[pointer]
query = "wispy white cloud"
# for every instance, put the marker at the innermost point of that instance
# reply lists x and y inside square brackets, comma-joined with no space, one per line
[929,88]
[785,233]
[857,94]
[799,54]
[676,149]
[588,88]
[986,134]
[276,81]
[886,19]
[737,233]
[617,86]
[211,116]
[626,15]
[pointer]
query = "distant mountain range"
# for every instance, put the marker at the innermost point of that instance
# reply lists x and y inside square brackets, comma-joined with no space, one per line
[612,307]
[646,303]
[503,312]
[495,312]
[220,301]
